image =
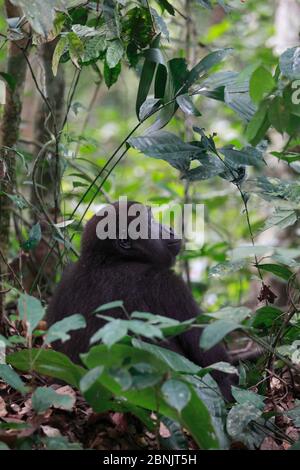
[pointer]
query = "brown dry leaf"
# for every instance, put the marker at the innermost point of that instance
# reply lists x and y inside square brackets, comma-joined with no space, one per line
[49,431]
[164,431]
[3,410]
[269,444]
[66,390]
[120,421]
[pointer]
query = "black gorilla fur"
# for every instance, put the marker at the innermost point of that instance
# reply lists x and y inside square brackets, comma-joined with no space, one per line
[139,273]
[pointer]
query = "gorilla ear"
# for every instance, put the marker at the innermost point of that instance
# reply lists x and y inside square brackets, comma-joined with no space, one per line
[124,243]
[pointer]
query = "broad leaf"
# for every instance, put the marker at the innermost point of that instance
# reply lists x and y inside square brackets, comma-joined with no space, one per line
[11,377]
[51,363]
[261,84]
[31,311]
[290,63]
[166,146]
[45,397]
[60,330]
[216,332]
[176,393]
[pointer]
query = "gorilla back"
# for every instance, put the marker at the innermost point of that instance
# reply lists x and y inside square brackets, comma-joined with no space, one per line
[138,272]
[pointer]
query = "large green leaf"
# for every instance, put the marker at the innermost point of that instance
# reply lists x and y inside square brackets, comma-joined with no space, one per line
[60,330]
[114,53]
[166,146]
[45,397]
[246,156]
[280,271]
[48,362]
[175,81]
[261,84]
[176,393]
[259,124]
[153,58]
[9,376]
[31,311]
[290,63]
[205,65]
[216,332]
[209,167]
[278,114]
[194,417]
[237,97]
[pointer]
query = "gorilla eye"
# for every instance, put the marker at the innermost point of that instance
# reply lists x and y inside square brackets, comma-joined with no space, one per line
[125,243]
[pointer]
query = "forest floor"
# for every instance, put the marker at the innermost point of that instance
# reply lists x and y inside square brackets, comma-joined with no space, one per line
[81,427]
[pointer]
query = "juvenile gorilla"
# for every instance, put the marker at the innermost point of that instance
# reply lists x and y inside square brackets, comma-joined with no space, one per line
[137,271]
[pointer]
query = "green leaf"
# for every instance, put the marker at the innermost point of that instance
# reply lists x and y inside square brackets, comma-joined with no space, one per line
[148,107]
[245,251]
[289,63]
[176,77]
[246,396]
[195,416]
[282,218]
[114,53]
[226,268]
[31,311]
[224,367]
[111,333]
[166,146]
[259,124]
[176,393]
[237,97]
[111,75]
[9,376]
[90,378]
[236,314]
[267,316]
[187,106]
[279,271]
[93,49]
[166,6]
[60,329]
[45,397]
[110,306]
[35,236]
[246,156]
[216,331]
[58,52]
[175,361]
[210,166]
[261,84]
[238,420]
[153,58]
[278,114]
[144,329]
[161,77]
[206,64]
[76,48]
[47,362]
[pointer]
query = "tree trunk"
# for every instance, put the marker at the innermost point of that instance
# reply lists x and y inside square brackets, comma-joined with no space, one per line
[16,67]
